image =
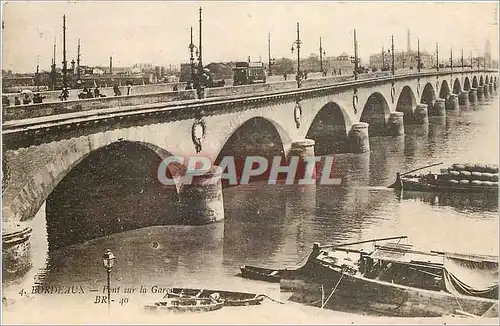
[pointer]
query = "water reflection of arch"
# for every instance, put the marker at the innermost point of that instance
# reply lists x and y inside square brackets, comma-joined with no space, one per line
[298,232]
[461,202]
[344,212]
[415,141]
[255,217]
[438,135]
[354,169]
[386,158]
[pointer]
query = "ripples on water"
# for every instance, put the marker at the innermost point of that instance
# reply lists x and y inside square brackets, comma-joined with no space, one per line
[275,225]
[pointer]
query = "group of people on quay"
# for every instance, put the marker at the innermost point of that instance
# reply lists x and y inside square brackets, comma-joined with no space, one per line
[27,96]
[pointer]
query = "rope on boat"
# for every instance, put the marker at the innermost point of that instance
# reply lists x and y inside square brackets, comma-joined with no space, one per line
[456,299]
[266,296]
[334,289]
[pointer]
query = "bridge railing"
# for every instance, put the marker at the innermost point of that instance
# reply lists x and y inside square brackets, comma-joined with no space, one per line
[53,96]
[54,108]
[73,106]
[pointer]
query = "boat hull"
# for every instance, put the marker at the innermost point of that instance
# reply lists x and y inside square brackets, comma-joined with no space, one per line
[184,308]
[355,292]
[229,298]
[411,185]
[268,275]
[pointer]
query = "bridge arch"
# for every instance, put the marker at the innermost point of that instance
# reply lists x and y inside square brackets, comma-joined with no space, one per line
[481,81]
[406,103]
[428,95]
[467,85]
[77,194]
[444,91]
[375,112]
[257,136]
[329,129]
[474,82]
[457,88]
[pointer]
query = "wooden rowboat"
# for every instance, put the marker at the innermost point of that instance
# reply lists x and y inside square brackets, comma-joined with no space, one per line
[269,275]
[181,305]
[228,298]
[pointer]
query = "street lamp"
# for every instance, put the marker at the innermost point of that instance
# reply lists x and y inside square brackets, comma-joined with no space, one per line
[65,67]
[451,58]
[356,59]
[383,59]
[419,63]
[321,53]
[437,56]
[462,61]
[272,61]
[108,260]
[192,49]
[297,42]
[392,52]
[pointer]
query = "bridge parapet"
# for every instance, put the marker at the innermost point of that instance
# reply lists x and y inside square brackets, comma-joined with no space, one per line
[56,108]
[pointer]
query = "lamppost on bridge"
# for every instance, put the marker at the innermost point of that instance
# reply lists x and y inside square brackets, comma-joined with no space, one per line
[451,59]
[200,57]
[383,58]
[437,56]
[403,59]
[108,260]
[271,61]
[200,63]
[321,53]
[297,42]
[356,59]
[37,74]
[471,64]
[392,52]
[53,73]
[419,62]
[462,60]
[192,49]
[65,63]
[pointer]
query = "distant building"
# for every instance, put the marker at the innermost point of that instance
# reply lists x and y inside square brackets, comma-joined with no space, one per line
[402,60]
[343,63]
[98,71]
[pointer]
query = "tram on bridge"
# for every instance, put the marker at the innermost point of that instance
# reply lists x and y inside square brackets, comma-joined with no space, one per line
[246,73]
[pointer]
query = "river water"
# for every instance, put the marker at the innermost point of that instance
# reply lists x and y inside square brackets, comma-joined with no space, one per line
[275,226]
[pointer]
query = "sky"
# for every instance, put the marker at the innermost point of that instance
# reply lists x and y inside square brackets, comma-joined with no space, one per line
[158,32]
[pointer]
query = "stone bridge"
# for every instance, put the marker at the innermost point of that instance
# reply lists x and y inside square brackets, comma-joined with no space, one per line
[73,156]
